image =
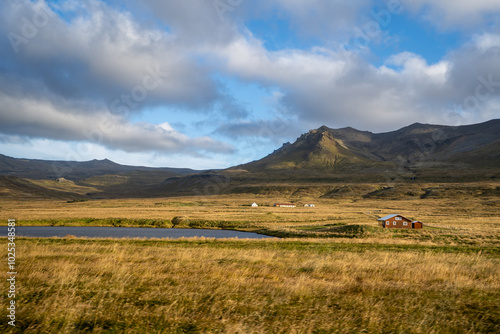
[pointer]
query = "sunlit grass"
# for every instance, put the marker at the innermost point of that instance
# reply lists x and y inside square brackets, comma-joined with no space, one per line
[208,286]
[473,220]
[341,274]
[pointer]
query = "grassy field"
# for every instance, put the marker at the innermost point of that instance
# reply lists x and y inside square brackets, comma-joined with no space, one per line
[468,214]
[336,271]
[275,286]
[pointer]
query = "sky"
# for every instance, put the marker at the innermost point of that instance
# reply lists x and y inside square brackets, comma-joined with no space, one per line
[208,84]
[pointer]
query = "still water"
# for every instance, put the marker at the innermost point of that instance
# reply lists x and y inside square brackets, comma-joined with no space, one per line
[128,232]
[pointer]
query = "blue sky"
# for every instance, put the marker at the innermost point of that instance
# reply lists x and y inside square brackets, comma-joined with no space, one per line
[212,84]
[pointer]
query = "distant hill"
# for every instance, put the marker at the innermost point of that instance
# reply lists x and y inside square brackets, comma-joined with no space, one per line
[323,157]
[12,187]
[323,162]
[73,170]
[418,146]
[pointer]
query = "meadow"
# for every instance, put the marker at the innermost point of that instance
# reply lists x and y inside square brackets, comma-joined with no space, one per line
[335,270]
[455,214]
[278,286]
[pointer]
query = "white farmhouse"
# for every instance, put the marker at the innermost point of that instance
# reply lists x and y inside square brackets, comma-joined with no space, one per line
[285,205]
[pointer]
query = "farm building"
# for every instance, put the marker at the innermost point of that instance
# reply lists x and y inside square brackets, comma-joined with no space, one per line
[284,205]
[398,221]
[416,224]
[254,205]
[309,205]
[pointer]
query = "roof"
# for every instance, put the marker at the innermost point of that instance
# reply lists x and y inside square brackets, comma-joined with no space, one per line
[389,216]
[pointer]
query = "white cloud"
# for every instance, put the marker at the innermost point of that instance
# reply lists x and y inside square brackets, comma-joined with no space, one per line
[325,19]
[248,58]
[67,75]
[65,79]
[48,149]
[456,13]
[104,53]
[42,119]
[486,41]
[325,87]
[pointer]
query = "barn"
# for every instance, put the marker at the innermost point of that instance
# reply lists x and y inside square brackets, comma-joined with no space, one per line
[284,205]
[416,224]
[398,221]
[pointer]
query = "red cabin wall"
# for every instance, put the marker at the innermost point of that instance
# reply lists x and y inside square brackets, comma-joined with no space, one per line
[417,225]
[399,223]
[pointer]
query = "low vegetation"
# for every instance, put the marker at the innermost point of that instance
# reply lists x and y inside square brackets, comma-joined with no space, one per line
[334,271]
[465,214]
[272,286]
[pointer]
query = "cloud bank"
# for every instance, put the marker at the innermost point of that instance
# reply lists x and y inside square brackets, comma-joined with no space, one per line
[86,71]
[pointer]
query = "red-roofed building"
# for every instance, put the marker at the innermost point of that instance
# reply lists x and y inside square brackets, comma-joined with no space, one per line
[398,221]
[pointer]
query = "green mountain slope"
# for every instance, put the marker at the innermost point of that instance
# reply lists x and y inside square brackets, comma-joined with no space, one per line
[415,146]
[312,164]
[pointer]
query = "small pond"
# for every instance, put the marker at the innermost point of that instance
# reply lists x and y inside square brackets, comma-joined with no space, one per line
[128,232]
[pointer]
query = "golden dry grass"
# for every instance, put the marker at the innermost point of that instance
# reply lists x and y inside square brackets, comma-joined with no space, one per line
[469,219]
[207,286]
[443,279]
[480,213]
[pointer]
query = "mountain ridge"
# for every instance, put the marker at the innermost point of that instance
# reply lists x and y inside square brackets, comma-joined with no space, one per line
[38,169]
[414,145]
[320,157]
